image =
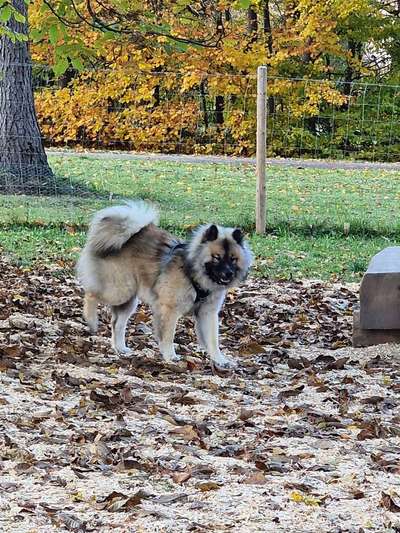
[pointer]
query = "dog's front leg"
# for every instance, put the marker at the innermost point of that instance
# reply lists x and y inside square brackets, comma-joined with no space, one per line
[207,333]
[165,320]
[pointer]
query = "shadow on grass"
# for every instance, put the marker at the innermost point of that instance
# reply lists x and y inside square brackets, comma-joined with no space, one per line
[46,185]
[56,203]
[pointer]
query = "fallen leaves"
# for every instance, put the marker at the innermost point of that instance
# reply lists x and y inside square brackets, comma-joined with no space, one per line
[288,393]
[299,497]
[246,414]
[111,398]
[117,502]
[188,433]
[391,502]
[94,442]
[69,521]
[256,478]
[202,471]
[206,486]
[181,477]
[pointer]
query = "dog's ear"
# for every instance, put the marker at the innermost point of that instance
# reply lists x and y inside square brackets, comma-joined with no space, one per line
[238,235]
[211,233]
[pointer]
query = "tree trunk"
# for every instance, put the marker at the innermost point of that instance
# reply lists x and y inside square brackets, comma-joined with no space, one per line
[204,103]
[269,43]
[252,25]
[219,110]
[157,88]
[23,162]
[350,74]
[267,27]
[67,77]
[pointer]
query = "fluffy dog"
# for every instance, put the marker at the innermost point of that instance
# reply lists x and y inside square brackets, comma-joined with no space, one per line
[128,258]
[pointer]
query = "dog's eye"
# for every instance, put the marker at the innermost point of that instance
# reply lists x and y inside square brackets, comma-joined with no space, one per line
[234,259]
[215,258]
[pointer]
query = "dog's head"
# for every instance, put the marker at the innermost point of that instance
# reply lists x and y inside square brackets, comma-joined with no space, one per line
[219,256]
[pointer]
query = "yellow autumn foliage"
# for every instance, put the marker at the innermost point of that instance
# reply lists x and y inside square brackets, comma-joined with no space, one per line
[155,96]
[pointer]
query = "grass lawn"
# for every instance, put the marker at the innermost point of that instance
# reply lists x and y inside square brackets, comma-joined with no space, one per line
[321,223]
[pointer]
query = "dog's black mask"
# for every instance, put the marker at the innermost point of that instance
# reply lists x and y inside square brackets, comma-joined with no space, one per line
[223,269]
[222,272]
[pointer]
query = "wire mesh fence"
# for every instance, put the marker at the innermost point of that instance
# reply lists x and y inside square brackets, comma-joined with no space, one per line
[216,114]
[333,119]
[198,113]
[141,111]
[114,110]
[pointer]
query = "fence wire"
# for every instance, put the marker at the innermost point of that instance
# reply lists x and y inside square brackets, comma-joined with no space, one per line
[200,113]
[333,119]
[216,114]
[139,111]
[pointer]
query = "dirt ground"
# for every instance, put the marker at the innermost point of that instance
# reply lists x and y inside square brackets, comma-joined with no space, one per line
[303,437]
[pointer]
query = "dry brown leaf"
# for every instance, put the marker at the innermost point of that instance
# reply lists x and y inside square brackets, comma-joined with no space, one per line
[181,477]
[70,522]
[287,393]
[246,414]
[251,348]
[117,501]
[205,486]
[169,498]
[187,432]
[12,350]
[256,478]
[391,502]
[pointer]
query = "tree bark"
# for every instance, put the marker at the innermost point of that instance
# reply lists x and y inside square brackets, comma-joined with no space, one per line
[252,24]
[23,162]
[204,103]
[267,28]
[351,73]
[219,110]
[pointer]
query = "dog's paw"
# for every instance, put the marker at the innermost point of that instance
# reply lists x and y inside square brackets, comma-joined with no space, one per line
[223,364]
[123,350]
[171,358]
[92,327]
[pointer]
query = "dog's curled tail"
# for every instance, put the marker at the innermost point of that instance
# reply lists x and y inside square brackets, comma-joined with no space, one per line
[112,227]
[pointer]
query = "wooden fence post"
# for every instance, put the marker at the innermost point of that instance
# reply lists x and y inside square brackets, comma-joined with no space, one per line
[261,148]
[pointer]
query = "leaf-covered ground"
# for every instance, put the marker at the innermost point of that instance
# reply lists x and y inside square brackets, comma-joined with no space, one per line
[303,437]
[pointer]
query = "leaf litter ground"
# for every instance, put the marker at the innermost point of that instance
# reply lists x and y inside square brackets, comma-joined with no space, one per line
[304,436]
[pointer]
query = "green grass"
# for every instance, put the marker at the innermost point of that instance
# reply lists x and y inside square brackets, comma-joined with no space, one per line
[321,223]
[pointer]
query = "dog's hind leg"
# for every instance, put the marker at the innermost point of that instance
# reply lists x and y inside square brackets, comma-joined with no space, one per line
[90,311]
[119,318]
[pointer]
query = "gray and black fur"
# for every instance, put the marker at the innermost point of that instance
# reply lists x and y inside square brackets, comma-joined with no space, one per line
[128,258]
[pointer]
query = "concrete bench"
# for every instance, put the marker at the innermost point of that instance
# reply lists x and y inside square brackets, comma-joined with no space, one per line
[378,320]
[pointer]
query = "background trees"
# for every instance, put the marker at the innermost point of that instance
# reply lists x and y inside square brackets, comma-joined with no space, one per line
[147,75]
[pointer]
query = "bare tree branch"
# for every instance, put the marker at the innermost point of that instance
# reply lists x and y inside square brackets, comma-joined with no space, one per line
[97,22]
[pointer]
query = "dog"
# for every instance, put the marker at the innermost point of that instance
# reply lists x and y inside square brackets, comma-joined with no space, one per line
[128,258]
